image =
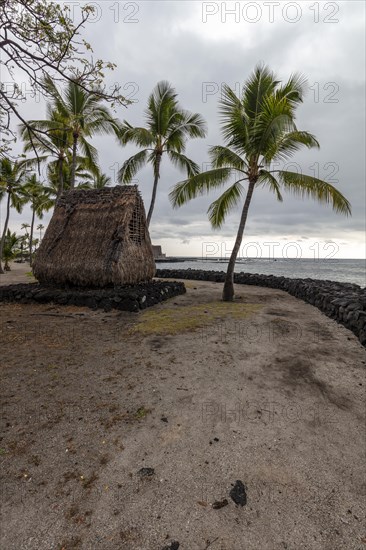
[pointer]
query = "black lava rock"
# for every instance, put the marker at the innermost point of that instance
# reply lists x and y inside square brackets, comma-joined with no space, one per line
[146,472]
[125,298]
[174,545]
[238,493]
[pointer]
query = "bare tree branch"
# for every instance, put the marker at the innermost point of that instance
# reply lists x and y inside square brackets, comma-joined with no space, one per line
[39,38]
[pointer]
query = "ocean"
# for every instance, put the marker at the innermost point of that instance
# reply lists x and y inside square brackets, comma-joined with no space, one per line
[345,271]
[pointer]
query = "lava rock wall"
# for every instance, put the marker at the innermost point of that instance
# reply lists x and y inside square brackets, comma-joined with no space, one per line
[125,298]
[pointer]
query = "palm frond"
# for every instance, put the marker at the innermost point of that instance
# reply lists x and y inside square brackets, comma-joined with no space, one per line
[140,136]
[161,103]
[293,91]
[184,163]
[234,119]
[288,144]
[219,209]
[224,157]
[307,186]
[90,152]
[131,166]
[259,86]
[200,184]
[268,179]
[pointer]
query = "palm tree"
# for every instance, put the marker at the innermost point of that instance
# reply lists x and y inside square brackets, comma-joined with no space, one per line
[82,115]
[22,244]
[94,180]
[100,180]
[56,144]
[258,129]
[168,129]
[25,226]
[40,200]
[9,250]
[11,179]
[84,173]
[40,228]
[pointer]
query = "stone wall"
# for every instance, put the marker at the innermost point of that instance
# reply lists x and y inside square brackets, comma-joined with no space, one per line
[126,298]
[344,302]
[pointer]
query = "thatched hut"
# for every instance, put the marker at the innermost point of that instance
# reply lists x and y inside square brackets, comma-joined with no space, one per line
[96,238]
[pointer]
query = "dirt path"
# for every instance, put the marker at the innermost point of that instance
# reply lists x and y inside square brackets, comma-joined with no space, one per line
[267,391]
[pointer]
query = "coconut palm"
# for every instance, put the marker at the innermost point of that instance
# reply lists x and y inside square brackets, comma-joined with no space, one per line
[40,201]
[100,180]
[11,179]
[56,144]
[167,131]
[258,129]
[22,240]
[10,252]
[40,228]
[25,226]
[82,115]
[84,173]
[94,180]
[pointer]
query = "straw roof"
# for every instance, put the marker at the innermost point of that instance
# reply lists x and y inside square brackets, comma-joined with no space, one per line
[96,238]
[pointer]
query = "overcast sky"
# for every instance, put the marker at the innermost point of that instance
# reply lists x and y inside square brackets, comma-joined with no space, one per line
[198,46]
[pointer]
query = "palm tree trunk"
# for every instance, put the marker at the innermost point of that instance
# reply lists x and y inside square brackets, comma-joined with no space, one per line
[31,237]
[73,166]
[156,179]
[2,242]
[228,291]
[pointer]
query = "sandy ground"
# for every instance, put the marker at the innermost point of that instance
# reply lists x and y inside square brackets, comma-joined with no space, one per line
[18,274]
[267,391]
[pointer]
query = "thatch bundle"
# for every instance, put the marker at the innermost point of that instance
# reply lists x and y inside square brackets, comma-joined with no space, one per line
[96,238]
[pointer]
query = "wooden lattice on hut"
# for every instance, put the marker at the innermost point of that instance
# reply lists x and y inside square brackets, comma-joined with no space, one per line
[96,238]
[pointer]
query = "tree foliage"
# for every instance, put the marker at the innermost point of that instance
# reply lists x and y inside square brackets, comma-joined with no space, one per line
[167,131]
[39,38]
[259,130]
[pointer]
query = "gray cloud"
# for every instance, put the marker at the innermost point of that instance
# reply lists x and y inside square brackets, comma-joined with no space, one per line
[170,41]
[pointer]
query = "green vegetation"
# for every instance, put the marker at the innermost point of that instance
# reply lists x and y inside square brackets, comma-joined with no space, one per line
[168,129]
[10,250]
[259,130]
[40,40]
[172,320]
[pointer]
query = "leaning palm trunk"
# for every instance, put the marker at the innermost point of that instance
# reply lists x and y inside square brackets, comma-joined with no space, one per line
[73,166]
[153,197]
[2,242]
[31,237]
[228,291]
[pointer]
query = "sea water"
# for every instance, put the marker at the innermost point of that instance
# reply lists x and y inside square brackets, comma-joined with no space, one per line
[345,271]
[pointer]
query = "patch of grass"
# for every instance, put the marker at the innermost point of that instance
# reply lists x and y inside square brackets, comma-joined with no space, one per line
[141,413]
[187,318]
